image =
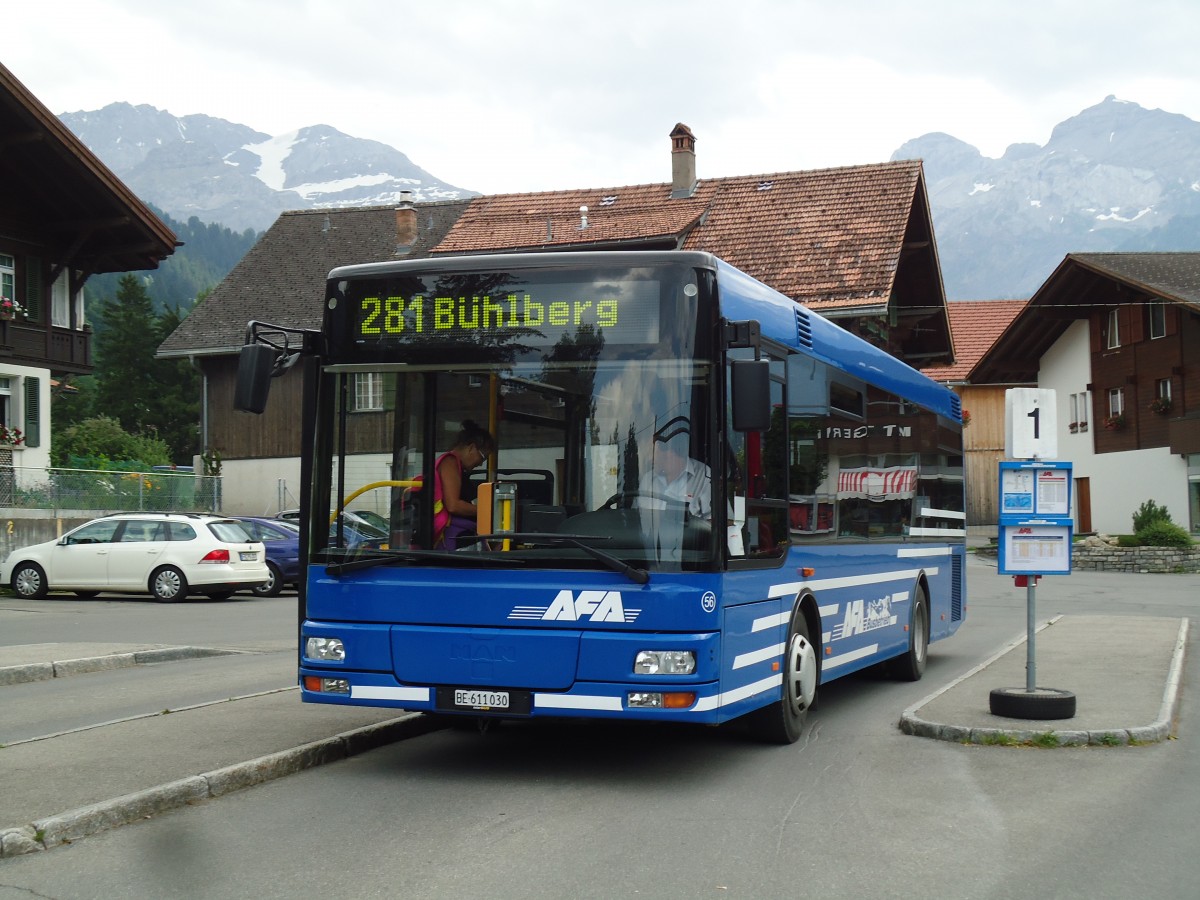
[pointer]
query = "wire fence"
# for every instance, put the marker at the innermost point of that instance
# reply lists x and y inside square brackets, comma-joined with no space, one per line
[56,489]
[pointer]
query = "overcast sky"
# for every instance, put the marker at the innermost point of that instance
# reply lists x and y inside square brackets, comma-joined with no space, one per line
[502,96]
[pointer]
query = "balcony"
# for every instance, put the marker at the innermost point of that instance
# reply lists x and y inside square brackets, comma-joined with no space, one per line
[1184,434]
[63,350]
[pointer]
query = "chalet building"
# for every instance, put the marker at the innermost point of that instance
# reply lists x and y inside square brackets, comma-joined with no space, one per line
[854,244]
[1117,336]
[63,218]
[976,326]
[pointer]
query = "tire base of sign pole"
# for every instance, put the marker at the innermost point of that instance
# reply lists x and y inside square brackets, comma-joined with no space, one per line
[1040,703]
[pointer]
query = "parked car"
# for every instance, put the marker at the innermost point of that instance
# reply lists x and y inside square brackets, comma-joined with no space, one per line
[282,542]
[372,518]
[167,555]
[358,532]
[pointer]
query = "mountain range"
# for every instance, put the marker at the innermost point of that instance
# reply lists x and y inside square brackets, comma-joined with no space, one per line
[233,175]
[1115,177]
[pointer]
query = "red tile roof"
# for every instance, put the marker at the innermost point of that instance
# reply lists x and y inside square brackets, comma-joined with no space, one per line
[552,219]
[829,238]
[975,326]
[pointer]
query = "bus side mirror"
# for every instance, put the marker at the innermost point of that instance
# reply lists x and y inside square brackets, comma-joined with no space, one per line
[751,387]
[255,363]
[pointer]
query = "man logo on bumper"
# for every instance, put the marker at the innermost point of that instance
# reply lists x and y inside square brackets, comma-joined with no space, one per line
[589,606]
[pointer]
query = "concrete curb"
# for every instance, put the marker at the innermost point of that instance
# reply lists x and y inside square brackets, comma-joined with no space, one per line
[1160,730]
[66,827]
[44,671]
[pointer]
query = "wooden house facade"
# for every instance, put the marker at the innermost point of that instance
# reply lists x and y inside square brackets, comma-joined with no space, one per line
[1117,337]
[64,216]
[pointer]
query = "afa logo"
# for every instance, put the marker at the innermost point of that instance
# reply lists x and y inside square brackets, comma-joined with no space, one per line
[863,615]
[586,606]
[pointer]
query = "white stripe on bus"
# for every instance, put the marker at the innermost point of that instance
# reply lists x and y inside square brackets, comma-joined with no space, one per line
[373,692]
[577,701]
[756,656]
[725,698]
[832,662]
[924,551]
[821,584]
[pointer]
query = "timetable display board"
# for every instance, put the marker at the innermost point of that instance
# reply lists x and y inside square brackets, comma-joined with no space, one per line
[1035,489]
[1035,548]
[1036,528]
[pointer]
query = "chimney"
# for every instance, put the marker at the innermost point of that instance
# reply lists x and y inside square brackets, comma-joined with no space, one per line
[406,223]
[683,162]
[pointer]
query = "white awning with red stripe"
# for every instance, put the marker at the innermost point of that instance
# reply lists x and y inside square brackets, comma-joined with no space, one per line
[896,483]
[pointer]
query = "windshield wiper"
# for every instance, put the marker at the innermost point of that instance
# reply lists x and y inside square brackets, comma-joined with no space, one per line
[641,576]
[387,558]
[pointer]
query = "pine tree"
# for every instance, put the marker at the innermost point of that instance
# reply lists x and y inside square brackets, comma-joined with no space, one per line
[147,396]
[126,389]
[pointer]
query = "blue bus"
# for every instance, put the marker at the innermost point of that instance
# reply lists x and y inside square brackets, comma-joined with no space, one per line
[819,529]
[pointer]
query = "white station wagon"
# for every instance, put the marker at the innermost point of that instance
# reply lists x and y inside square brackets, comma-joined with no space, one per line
[168,555]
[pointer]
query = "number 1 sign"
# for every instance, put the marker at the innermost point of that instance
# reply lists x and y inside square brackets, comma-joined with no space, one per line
[1030,424]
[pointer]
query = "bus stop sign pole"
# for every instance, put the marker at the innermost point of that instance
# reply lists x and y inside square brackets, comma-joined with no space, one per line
[1035,536]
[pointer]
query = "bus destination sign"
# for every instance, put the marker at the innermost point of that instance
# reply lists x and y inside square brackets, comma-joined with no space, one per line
[541,319]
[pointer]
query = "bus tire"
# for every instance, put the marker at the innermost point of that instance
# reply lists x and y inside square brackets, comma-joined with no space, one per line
[782,722]
[911,666]
[1040,703]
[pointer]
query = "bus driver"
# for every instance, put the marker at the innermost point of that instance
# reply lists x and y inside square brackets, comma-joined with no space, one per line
[674,475]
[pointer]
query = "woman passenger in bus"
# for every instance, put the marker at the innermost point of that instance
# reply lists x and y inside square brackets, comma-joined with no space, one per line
[452,514]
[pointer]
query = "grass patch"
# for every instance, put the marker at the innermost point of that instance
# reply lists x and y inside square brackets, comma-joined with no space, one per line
[1047,739]
[999,739]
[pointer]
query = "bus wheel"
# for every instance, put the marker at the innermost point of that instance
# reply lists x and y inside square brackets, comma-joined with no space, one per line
[782,722]
[911,666]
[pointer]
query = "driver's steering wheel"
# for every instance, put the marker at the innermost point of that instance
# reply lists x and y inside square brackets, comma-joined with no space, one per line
[624,500]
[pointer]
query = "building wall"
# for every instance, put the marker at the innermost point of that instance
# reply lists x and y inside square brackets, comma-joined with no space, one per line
[242,435]
[19,413]
[1120,481]
[259,487]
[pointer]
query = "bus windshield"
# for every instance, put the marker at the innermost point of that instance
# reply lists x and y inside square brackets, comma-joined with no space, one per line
[597,393]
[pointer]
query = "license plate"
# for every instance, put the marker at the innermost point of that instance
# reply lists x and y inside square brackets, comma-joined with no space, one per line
[481,699]
[249,556]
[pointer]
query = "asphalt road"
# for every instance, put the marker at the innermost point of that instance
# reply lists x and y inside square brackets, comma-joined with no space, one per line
[855,809]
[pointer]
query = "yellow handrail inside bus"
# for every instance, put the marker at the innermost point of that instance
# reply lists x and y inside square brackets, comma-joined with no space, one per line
[370,487]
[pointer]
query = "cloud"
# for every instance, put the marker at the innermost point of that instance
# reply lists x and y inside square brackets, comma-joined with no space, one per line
[538,94]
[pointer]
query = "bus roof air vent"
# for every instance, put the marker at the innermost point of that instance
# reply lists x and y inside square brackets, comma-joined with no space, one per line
[803,328]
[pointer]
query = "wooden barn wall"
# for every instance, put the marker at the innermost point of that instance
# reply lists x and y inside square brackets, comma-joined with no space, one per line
[242,435]
[983,444]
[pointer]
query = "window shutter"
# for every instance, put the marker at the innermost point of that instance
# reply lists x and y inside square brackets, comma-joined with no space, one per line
[33,287]
[1170,318]
[1137,325]
[33,412]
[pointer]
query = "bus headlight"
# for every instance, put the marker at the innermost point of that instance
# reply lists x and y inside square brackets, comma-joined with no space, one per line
[326,649]
[664,662]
